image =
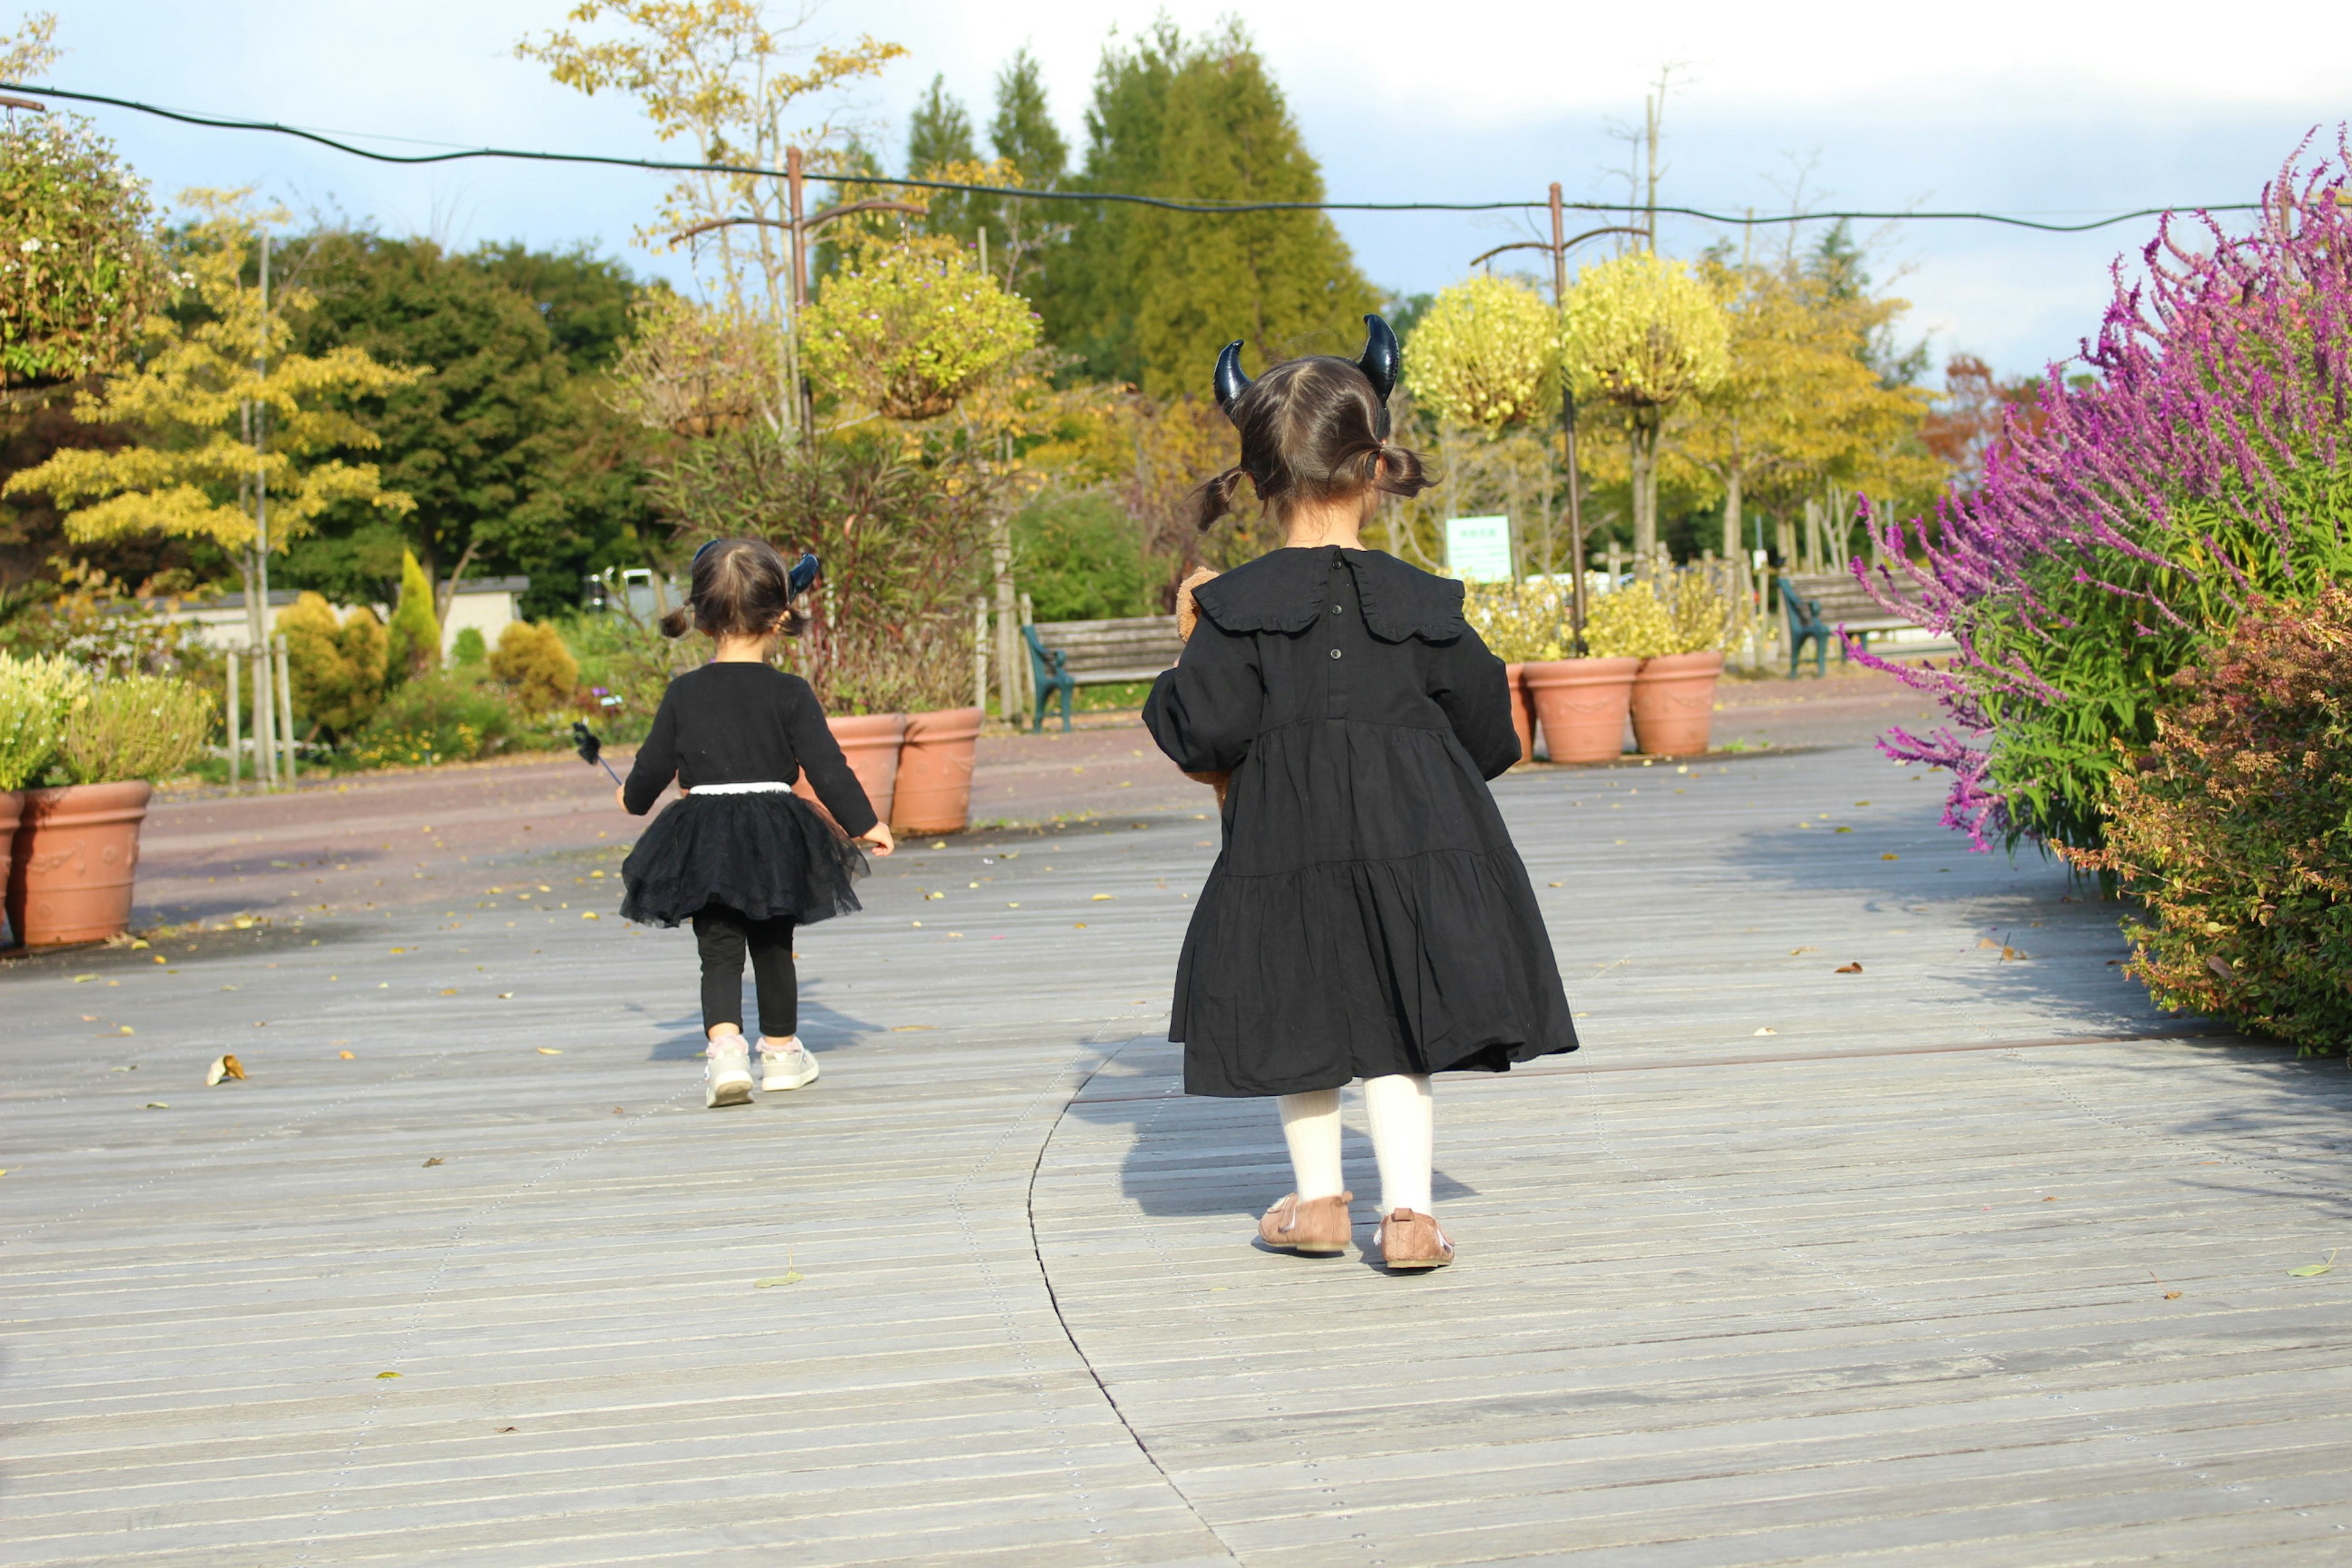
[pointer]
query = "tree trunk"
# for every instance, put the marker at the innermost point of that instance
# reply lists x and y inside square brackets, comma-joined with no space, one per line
[1641,442]
[447,591]
[1733,535]
[1008,635]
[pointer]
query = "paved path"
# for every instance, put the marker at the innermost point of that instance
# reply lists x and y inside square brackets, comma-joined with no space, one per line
[1968,1258]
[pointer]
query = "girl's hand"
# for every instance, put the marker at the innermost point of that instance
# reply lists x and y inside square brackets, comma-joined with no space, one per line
[621,796]
[878,838]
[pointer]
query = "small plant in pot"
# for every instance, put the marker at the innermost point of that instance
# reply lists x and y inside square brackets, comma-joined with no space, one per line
[1524,624]
[34,693]
[1582,703]
[77,843]
[1673,694]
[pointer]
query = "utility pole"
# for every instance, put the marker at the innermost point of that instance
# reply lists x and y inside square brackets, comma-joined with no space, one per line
[1567,430]
[256,576]
[803,405]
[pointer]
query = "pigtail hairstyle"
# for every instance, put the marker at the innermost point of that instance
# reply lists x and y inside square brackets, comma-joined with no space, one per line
[740,587]
[1310,431]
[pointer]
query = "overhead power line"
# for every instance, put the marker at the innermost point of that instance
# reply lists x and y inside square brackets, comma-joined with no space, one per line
[1168,203]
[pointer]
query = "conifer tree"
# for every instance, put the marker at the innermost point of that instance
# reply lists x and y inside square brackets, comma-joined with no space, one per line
[1150,295]
[1023,132]
[939,145]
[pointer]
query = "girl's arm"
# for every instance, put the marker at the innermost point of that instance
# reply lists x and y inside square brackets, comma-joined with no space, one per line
[1469,684]
[657,762]
[1204,712]
[828,771]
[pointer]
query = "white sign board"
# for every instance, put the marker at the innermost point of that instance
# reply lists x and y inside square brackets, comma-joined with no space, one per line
[1479,548]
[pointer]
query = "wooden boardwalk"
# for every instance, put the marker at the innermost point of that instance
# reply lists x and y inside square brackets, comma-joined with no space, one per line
[1964,1258]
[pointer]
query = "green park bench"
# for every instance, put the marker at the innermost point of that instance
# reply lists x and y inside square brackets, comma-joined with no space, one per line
[1066,655]
[1819,605]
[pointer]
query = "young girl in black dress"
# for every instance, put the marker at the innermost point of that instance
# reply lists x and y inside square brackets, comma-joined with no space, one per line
[739,854]
[1369,917]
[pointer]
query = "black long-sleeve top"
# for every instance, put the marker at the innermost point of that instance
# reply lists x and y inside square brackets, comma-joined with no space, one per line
[745,723]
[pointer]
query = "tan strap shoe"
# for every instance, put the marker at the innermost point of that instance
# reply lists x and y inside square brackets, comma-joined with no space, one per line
[1311,1227]
[1408,1239]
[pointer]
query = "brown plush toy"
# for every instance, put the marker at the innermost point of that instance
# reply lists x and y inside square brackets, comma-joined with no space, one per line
[1188,615]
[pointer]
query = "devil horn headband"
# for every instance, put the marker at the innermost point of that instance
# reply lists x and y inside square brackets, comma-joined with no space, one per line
[1382,362]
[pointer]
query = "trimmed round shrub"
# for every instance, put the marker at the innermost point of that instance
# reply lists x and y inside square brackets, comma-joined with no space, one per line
[1486,355]
[338,670]
[1629,622]
[2234,830]
[468,647]
[532,663]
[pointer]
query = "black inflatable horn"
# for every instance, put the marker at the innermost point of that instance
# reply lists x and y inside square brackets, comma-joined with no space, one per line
[805,570]
[1382,362]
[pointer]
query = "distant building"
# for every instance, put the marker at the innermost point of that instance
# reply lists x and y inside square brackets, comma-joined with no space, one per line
[485,604]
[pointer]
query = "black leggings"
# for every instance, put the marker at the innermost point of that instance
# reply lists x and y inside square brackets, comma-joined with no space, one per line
[723,935]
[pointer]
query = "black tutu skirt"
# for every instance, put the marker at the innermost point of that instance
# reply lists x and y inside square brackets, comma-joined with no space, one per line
[764,855]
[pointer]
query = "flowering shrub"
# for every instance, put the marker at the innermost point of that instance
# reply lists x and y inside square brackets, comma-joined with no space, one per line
[2235,829]
[2127,521]
[1631,622]
[435,719]
[1486,354]
[35,693]
[908,329]
[1520,623]
[132,727]
[79,269]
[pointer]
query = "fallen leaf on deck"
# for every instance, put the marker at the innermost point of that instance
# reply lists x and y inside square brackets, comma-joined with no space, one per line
[382,1375]
[1846,831]
[551,1051]
[448,991]
[1556,885]
[506,996]
[124,1029]
[224,1066]
[158,1105]
[2050,1200]
[2011,954]
[1799,952]
[2172,1295]
[433,1162]
[1890,855]
[1987,941]
[509,1429]
[79,978]
[2311,1270]
[1098,898]
[793,1278]
[1767,1031]
[1849,969]
[589,915]
[347,1055]
[1080,926]
[910,1029]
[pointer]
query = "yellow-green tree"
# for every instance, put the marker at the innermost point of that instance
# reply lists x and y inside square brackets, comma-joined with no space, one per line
[1802,407]
[907,330]
[413,638]
[713,74]
[1485,356]
[1641,332]
[233,430]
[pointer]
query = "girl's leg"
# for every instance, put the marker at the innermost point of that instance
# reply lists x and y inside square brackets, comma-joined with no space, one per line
[785,1064]
[777,982]
[720,933]
[1310,1125]
[721,936]
[1403,1119]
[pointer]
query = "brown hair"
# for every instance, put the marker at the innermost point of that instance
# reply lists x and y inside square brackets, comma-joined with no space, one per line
[1310,431]
[742,589]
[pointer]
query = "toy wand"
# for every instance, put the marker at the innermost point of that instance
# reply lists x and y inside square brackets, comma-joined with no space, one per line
[592,750]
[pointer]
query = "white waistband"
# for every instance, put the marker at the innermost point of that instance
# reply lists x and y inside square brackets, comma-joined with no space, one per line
[762,787]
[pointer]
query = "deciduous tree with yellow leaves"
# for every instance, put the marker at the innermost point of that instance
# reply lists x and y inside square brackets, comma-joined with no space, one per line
[234,430]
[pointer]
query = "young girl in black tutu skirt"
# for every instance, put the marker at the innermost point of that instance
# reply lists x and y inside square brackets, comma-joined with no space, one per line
[739,854]
[1369,917]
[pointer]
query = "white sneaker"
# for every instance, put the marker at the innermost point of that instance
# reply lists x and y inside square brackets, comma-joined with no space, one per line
[727,1072]
[793,1066]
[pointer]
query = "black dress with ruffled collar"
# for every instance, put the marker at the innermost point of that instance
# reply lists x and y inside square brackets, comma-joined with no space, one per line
[1368,914]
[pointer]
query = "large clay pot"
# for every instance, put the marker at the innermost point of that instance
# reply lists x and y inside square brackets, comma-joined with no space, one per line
[870,743]
[1673,703]
[12,807]
[1523,716]
[934,786]
[1581,705]
[77,850]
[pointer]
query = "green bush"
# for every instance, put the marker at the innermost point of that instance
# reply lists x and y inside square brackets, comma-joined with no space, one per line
[1629,622]
[467,648]
[134,727]
[1080,558]
[338,670]
[533,664]
[435,718]
[34,695]
[2234,830]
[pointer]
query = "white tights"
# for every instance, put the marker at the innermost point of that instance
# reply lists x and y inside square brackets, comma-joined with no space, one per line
[1403,1121]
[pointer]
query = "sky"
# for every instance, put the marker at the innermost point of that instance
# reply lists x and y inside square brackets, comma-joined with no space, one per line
[2059,109]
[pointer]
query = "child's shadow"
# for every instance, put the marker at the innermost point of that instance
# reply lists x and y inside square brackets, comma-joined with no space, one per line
[822,1029]
[1195,1156]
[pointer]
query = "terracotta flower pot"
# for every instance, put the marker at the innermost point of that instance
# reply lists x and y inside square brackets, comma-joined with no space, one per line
[76,851]
[870,743]
[1673,703]
[12,809]
[1581,705]
[1523,716]
[934,784]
